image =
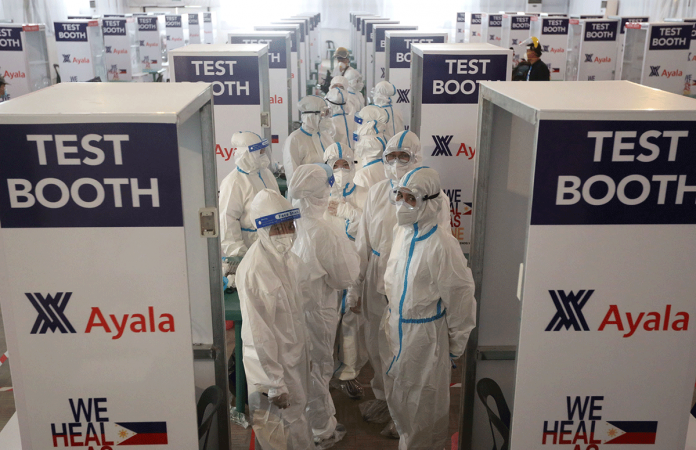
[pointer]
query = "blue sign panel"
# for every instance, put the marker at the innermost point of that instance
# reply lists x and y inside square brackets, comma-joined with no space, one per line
[554,26]
[70,31]
[454,78]
[461,17]
[10,39]
[670,37]
[235,79]
[147,23]
[476,19]
[89,175]
[380,39]
[495,20]
[400,48]
[114,27]
[601,31]
[277,49]
[615,173]
[172,21]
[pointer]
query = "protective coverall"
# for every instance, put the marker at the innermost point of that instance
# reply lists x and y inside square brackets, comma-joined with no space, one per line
[330,263]
[306,144]
[341,116]
[239,188]
[355,86]
[276,347]
[353,104]
[370,146]
[383,92]
[431,313]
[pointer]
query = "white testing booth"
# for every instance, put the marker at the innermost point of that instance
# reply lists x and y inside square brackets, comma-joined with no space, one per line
[583,259]
[293,63]
[461,28]
[515,32]
[306,59]
[279,82]
[24,57]
[398,64]
[122,56]
[151,36]
[552,33]
[591,49]
[476,28]
[360,39]
[690,72]
[108,268]
[657,54]
[367,49]
[302,50]
[239,74]
[176,29]
[492,29]
[379,54]
[80,48]
[623,20]
[208,28]
[195,28]
[445,93]
[355,33]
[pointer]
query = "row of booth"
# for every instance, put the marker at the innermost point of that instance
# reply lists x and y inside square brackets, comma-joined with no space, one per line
[593,48]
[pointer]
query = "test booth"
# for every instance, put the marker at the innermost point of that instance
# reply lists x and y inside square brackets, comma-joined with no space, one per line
[360,41]
[239,74]
[444,83]
[476,28]
[306,59]
[208,28]
[623,20]
[24,57]
[591,49]
[657,54]
[461,28]
[301,52]
[313,53]
[690,72]
[294,63]
[81,53]
[122,55]
[583,260]
[379,63]
[515,32]
[367,49]
[398,64]
[177,32]
[279,83]
[195,28]
[552,33]
[110,264]
[151,38]
[492,29]
[355,32]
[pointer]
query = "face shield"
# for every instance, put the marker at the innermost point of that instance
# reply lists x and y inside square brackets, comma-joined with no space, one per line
[281,228]
[260,154]
[409,198]
[398,156]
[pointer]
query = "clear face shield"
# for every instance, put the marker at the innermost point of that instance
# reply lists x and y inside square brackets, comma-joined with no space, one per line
[398,156]
[409,198]
[260,154]
[281,228]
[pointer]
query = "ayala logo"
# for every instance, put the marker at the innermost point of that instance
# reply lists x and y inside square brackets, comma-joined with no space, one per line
[152,44]
[569,314]
[13,75]
[403,95]
[66,58]
[557,50]
[84,60]
[667,73]
[51,310]
[599,60]
[442,147]
[588,57]
[654,71]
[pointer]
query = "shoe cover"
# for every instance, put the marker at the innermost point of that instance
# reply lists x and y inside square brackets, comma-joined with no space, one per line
[390,431]
[338,434]
[375,411]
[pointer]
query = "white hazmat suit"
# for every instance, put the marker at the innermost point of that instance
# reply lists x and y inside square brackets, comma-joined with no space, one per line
[276,347]
[355,85]
[352,354]
[431,313]
[239,188]
[353,103]
[330,263]
[306,144]
[374,244]
[370,146]
[383,92]
[341,115]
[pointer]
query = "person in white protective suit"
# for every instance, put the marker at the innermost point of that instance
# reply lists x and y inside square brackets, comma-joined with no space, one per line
[346,201]
[367,114]
[341,117]
[330,264]
[381,96]
[276,347]
[344,67]
[239,188]
[431,312]
[370,145]
[353,104]
[374,244]
[355,85]
[306,144]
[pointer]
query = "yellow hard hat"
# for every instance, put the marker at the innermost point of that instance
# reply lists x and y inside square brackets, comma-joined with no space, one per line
[341,52]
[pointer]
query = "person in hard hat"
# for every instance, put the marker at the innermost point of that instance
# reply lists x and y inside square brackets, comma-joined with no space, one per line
[538,70]
[344,68]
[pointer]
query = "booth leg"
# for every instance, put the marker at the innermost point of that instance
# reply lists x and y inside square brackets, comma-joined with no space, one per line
[239,364]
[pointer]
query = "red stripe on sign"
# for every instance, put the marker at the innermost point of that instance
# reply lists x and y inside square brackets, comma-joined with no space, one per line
[634,438]
[146,439]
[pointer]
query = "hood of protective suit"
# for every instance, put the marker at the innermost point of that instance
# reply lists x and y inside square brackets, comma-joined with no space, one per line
[337,100]
[247,160]
[404,139]
[343,81]
[383,92]
[343,178]
[427,182]
[371,143]
[309,189]
[266,203]
[375,113]
[311,104]
[355,80]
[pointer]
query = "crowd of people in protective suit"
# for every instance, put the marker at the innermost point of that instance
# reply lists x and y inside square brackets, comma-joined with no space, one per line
[357,264]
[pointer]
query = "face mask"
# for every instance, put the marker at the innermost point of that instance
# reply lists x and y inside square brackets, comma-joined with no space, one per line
[342,66]
[342,177]
[262,162]
[310,122]
[283,242]
[397,171]
[406,216]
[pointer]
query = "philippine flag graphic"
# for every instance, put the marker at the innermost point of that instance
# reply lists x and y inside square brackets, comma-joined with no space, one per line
[556,70]
[467,209]
[274,139]
[622,432]
[141,433]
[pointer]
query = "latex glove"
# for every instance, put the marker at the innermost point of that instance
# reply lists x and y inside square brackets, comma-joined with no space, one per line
[282,401]
[356,309]
[333,207]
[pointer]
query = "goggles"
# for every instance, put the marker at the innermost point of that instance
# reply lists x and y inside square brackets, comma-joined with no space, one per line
[342,164]
[267,221]
[260,146]
[410,198]
[398,155]
[324,112]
